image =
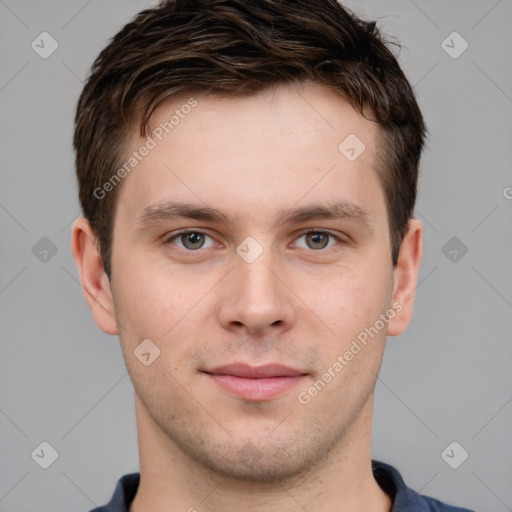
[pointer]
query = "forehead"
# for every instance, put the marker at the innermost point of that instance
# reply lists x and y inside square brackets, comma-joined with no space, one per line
[256,154]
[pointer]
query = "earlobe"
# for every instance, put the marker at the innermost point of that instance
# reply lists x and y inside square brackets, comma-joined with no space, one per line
[95,283]
[405,277]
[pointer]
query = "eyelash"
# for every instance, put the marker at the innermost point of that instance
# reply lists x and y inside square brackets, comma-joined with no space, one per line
[173,237]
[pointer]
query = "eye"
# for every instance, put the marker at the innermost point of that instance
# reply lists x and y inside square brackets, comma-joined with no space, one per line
[191,240]
[317,240]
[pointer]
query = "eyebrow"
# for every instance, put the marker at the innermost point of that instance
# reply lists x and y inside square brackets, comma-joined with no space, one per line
[167,210]
[338,210]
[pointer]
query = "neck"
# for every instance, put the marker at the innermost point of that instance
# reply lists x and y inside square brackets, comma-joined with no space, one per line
[171,481]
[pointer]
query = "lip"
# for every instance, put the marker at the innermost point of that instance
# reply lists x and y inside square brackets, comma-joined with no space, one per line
[257,383]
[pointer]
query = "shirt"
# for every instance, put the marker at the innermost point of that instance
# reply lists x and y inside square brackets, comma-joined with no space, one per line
[389,479]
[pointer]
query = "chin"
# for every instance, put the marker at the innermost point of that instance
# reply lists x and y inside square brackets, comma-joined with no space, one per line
[259,460]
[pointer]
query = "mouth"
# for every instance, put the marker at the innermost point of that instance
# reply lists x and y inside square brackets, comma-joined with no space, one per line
[259,383]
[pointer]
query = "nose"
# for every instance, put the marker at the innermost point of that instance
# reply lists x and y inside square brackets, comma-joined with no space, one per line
[256,298]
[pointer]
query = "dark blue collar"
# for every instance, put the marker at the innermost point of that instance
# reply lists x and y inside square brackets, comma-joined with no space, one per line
[390,480]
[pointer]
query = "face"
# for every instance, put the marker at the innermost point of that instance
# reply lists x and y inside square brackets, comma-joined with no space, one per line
[254,253]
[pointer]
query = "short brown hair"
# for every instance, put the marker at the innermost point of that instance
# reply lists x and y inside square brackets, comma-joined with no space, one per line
[240,47]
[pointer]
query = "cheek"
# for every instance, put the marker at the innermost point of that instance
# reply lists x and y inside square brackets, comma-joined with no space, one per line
[349,300]
[158,309]
[353,354]
[145,304]
[153,300]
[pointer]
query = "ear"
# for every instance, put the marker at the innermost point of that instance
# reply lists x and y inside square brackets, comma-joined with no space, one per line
[405,277]
[95,283]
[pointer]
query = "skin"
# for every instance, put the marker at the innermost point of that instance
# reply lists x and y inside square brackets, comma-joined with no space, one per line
[252,158]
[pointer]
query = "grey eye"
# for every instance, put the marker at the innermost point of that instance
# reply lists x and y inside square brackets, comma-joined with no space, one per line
[192,240]
[316,240]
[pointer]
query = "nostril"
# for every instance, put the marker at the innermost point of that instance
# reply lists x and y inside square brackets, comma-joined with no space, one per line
[277,322]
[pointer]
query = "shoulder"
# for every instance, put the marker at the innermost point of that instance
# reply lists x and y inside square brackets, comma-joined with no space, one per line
[124,493]
[404,498]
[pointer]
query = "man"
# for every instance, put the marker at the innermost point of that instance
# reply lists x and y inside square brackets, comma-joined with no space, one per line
[248,173]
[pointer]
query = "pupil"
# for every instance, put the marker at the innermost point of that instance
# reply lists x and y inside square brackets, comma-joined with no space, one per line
[319,240]
[193,240]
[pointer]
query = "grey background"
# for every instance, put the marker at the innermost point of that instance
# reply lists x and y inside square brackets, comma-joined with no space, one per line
[446,379]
